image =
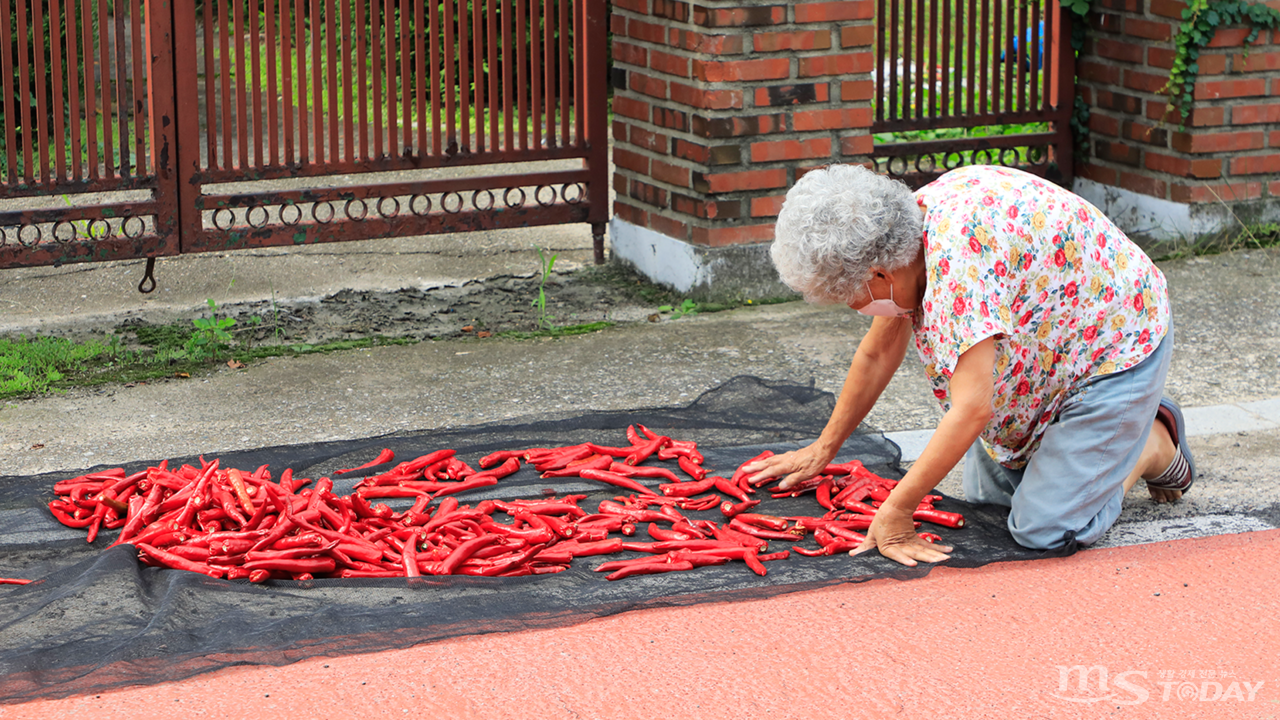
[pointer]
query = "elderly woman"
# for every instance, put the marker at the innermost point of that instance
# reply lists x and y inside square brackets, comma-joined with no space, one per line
[1045,335]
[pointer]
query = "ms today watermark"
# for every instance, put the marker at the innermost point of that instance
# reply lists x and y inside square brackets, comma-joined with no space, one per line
[1095,684]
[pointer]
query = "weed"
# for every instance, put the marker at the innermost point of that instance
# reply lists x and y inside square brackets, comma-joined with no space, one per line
[540,302]
[688,307]
[211,335]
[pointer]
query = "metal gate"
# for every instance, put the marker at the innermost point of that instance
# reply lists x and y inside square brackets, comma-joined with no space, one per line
[945,65]
[140,128]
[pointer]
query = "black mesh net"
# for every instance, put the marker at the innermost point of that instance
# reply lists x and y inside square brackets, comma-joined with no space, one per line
[98,619]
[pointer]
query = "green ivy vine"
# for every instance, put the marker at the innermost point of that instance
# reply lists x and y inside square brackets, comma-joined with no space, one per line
[1199,22]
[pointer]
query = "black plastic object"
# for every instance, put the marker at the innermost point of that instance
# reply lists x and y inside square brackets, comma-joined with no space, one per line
[97,620]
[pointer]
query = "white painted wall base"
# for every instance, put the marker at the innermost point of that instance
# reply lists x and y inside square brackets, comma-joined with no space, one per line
[1152,221]
[733,272]
[1143,216]
[664,260]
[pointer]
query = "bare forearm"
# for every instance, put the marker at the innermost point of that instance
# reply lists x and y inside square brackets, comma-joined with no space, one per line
[956,433]
[878,357]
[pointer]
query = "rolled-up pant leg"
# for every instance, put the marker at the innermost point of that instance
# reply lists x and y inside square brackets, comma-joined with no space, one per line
[1073,484]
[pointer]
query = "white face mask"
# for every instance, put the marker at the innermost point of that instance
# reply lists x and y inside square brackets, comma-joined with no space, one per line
[884,307]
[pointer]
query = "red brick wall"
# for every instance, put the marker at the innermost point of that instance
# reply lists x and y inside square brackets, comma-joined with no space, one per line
[1230,146]
[718,108]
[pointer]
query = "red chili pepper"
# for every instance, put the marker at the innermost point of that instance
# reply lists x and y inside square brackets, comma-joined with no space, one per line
[500,456]
[644,450]
[176,562]
[753,562]
[385,456]
[729,509]
[930,537]
[601,462]
[728,487]
[946,519]
[768,522]
[688,489]
[610,451]
[14,581]
[661,534]
[738,525]
[615,479]
[695,471]
[645,471]
[649,569]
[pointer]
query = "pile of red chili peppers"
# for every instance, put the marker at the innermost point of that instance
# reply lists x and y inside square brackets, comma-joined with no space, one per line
[227,523]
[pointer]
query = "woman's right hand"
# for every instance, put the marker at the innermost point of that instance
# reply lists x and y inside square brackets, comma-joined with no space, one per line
[793,467]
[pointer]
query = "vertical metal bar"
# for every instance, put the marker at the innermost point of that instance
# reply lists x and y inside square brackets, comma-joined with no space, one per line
[535,70]
[477,65]
[579,74]
[595,88]
[984,98]
[420,29]
[508,98]
[921,72]
[375,42]
[1066,94]
[389,8]
[59,121]
[997,41]
[565,89]
[909,67]
[171,80]
[434,76]
[494,72]
[464,80]
[224,94]
[881,39]
[934,68]
[122,93]
[90,89]
[24,91]
[1036,76]
[1007,100]
[331,57]
[73,85]
[317,81]
[1024,52]
[286,81]
[273,104]
[348,130]
[1051,40]
[406,89]
[362,87]
[894,60]
[522,74]
[42,98]
[549,70]
[971,26]
[140,119]
[105,73]
[242,113]
[10,118]
[255,79]
[943,75]
[450,86]
[209,94]
[300,59]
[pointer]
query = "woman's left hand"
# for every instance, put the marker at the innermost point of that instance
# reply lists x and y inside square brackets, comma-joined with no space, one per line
[893,533]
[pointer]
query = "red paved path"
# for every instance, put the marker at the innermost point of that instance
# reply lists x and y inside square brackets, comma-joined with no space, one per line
[967,643]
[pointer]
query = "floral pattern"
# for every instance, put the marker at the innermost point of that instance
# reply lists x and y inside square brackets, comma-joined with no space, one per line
[1065,294]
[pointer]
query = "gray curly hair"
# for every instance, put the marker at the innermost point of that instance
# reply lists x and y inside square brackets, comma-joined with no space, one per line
[839,222]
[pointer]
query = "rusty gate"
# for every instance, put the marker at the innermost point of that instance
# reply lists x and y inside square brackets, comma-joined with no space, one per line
[144,128]
[947,65]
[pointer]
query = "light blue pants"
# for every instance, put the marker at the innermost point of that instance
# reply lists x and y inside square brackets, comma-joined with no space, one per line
[1074,482]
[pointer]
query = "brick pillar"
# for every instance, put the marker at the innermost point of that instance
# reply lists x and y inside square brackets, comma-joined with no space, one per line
[718,108]
[1163,184]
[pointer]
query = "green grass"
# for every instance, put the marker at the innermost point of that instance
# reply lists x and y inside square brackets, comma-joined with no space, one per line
[41,365]
[1248,237]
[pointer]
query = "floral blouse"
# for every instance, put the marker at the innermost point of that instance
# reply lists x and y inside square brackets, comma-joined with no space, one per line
[1065,294]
